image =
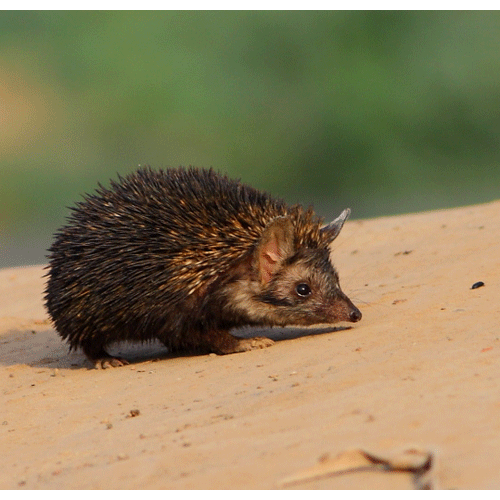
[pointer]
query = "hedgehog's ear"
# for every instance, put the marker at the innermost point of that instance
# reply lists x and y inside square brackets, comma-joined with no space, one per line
[332,230]
[275,246]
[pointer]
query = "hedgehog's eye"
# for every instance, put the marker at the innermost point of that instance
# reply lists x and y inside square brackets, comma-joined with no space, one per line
[303,289]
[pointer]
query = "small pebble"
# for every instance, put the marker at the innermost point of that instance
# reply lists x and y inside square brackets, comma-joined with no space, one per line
[478,284]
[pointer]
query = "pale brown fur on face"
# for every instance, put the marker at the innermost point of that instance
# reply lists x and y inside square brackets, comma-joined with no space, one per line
[277,302]
[267,295]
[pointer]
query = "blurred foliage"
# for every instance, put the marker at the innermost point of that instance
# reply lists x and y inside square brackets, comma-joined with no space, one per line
[385,112]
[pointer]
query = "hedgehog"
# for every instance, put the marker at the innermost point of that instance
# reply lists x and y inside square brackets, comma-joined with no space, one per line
[184,255]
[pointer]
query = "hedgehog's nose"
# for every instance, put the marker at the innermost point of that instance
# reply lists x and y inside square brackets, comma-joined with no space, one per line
[355,314]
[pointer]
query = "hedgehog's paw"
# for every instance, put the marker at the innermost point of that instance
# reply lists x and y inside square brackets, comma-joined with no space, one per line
[223,342]
[254,343]
[101,359]
[109,362]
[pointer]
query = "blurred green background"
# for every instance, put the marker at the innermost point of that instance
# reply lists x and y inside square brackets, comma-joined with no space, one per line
[385,112]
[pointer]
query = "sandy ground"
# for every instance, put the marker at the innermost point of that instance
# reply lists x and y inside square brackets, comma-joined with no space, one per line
[420,370]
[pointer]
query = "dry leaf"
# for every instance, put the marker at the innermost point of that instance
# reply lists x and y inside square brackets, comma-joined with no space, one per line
[414,460]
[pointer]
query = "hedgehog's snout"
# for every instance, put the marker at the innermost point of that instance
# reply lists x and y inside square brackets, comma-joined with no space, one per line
[355,314]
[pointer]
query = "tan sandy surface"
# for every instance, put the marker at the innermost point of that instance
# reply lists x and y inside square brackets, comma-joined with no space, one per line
[420,369]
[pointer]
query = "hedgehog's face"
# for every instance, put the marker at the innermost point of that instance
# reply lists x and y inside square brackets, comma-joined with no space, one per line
[289,285]
[305,291]
[299,284]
